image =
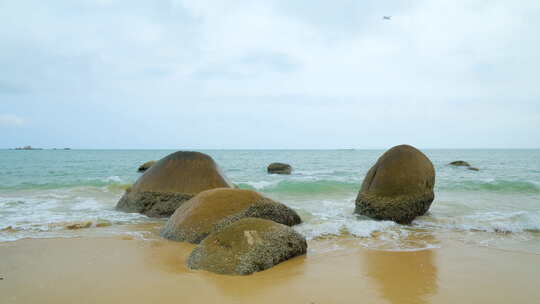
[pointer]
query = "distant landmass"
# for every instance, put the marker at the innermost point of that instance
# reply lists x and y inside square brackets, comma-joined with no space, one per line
[28,148]
[32,148]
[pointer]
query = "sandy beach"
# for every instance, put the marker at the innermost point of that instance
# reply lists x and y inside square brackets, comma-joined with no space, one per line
[123,269]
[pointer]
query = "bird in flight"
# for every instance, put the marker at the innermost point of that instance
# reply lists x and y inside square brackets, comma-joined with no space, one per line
[387,17]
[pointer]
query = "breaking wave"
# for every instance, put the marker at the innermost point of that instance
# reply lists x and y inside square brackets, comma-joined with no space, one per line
[303,187]
[492,185]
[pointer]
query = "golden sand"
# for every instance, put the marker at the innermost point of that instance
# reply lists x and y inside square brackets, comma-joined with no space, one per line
[127,270]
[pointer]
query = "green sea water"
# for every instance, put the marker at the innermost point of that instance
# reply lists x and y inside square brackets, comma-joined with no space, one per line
[42,190]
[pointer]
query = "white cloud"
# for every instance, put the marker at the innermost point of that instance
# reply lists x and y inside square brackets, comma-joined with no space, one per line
[11,120]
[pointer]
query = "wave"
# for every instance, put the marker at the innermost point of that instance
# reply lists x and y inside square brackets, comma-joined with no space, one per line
[344,227]
[111,183]
[302,187]
[323,186]
[494,185]
[378,235]
[493,222]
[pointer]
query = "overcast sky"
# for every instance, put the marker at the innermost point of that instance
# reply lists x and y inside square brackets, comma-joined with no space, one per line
[269,74]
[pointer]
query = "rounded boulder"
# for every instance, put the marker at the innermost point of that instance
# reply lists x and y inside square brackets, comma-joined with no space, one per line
[279,168]
[214,209]
[247,246]
[399,187]
[170,182]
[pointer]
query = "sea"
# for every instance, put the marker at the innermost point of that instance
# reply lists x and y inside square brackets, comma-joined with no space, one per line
[44,192]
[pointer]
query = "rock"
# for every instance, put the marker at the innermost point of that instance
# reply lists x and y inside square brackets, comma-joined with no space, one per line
[9,229]
[81,225]
[103,223]
[146,165]
[247,246]
[171,181]
[399,187]
[459,163]
[211,210]
[279,168]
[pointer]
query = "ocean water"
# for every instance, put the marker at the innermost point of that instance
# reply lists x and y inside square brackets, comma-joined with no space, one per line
[43,191]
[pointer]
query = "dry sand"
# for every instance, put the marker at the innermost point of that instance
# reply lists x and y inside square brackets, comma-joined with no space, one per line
[127,270]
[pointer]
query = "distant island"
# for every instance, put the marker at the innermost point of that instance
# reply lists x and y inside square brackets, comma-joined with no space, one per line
[27,148]
[32,148]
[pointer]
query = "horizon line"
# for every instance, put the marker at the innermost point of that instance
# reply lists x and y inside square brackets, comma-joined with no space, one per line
[257,149]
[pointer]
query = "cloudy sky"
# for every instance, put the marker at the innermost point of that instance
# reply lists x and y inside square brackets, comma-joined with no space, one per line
[269,74]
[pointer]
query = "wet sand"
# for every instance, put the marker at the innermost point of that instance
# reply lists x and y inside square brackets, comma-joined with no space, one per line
[127,270]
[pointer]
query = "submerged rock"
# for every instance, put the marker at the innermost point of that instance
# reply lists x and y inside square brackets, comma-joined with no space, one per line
[81,225]
[211,210]
[247,246]
[279,168]
[9,229]
[103,223]
[461,163]
[171,181]
[146,166]
[399,187]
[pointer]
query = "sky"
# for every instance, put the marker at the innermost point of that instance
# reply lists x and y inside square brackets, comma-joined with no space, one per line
[282,74]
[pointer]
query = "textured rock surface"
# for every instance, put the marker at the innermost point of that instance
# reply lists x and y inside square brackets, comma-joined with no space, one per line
[171,181]
[247,246]
[279,168]
[214,209]
[146,166]
[399,187]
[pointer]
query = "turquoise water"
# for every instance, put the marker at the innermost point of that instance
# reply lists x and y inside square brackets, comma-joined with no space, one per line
[42,191]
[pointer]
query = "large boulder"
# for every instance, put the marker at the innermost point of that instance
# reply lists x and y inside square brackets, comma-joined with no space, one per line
[247,246]
[146,166]
[214,209]
[399,187]
[171,181]
[279,168]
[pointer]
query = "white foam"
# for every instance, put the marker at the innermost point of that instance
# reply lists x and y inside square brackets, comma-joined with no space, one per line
[114,178]
[359,228]
[367,227]
[82,203]
[505,222]
[45,213]
[314,172]
[260,185]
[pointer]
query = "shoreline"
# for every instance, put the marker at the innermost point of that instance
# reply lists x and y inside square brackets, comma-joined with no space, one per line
[122,268]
